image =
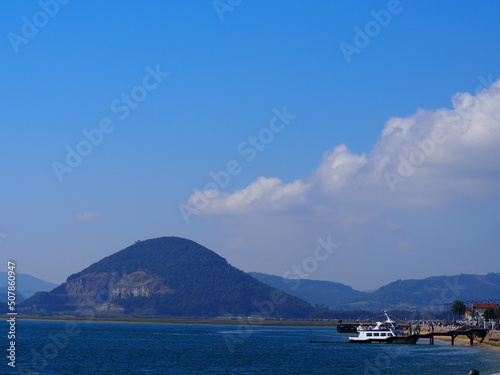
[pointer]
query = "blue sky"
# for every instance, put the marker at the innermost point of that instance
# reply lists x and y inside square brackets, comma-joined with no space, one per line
[229,73]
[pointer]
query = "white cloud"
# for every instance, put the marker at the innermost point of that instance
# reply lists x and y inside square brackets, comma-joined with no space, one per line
[88,216]
[264,193]
[429,158]
[270,224]
[339,168]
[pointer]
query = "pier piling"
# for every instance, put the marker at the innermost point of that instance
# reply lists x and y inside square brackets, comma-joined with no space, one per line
[471,333]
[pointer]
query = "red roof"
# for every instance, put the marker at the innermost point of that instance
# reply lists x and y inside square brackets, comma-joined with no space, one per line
[484,305]
[468,308]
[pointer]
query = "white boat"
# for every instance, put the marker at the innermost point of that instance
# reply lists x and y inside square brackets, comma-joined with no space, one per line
[386,332]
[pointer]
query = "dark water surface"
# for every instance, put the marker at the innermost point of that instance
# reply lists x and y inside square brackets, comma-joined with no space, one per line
[137,348]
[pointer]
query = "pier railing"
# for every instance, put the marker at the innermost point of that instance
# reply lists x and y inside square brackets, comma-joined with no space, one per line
[471,332]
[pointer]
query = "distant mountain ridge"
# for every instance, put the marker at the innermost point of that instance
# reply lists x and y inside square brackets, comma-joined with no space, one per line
[175,277]
[428,293]
[26,286]
[328,293]
[167,276]
[431,293]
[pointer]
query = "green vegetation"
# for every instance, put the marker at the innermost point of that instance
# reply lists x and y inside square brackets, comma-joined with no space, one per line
[434,292]
[492,313]
[458,308]
[189,280]
[175,277]
[431,294]
[327,293]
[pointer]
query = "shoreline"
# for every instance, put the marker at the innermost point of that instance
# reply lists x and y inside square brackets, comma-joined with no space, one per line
[460,340]
[464,340]
[256,322]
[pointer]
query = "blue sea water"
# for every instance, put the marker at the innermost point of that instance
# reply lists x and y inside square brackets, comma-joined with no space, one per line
[71,348]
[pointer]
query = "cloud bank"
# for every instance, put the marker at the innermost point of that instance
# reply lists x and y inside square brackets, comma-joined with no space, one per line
[426,190]
[430,158]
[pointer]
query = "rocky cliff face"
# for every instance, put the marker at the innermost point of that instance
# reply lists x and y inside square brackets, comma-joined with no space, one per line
[116,285]
[167,277]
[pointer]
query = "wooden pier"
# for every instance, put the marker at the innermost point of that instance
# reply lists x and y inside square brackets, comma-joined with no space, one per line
[471,333]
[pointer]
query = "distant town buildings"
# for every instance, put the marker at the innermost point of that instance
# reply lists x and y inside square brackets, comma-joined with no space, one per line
[474,313]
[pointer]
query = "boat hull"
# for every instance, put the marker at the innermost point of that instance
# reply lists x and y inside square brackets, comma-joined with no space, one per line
[412,339]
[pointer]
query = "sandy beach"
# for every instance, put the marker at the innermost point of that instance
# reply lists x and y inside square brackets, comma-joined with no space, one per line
[492,339]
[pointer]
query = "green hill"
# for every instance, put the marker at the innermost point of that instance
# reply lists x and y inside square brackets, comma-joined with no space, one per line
[432,293]
[166,276]
[326,293]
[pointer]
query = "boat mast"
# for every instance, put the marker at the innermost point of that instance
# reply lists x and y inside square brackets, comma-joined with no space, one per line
[389,320]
